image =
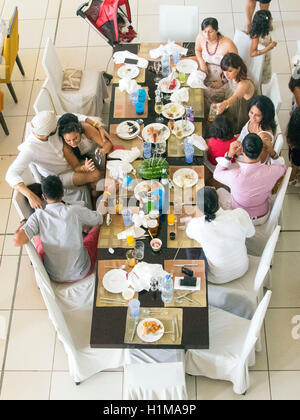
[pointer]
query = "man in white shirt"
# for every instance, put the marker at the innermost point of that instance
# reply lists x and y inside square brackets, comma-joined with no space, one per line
[67,256]
[45,149]
[222,235]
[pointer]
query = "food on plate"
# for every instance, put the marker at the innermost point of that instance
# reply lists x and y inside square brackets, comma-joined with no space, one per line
[185,180]
[150,327]
[172,84]
[171,125]
[153,168]
[154,133]
[145,188]
[167,85]
[132,128]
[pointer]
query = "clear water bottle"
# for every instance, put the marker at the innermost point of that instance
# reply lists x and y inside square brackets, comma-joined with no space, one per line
[165,65]
[167,289]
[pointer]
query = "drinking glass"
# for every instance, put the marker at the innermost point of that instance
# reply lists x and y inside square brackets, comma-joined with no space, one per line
[160,148]
[134,307]
[134,97]
[153,284]
[157,68]
[127,217]
[131,258]
[139,250]
[171,219]
[158,109]
[189,151]
[181,77]
[213,111]
[176,57]
[147,149]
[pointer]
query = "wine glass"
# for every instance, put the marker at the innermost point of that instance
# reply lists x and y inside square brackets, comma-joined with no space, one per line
[158,109]
[157,68]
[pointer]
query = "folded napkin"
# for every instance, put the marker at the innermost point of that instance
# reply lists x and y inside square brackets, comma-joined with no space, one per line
[167,49]
[126,155]
[199,142]
[141,274]
[118,169]
[136,232]
[130,85]
[196,79]
[119,58]
[180,95]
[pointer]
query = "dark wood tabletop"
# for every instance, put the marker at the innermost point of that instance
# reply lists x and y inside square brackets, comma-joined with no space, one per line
[108,322]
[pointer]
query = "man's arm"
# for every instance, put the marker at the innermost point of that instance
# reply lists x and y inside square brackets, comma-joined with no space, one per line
[20,237]
[223,173]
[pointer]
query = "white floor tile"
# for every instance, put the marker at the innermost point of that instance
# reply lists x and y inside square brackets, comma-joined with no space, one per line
[4,321]
[53,9]
[28,9]
[8,274]
[26,29]
[218,6]
[98,58]
[23,91]
[285,280]
[4,213]
[209,389]
[292,49]
[69,7]
[289,5]
[60,362]
[28,295]
[5,161]
[13,221]
[280,59]
[148,28]
[152,7]
[283,339]
[284,117]
[40,72]
[31,342]
[286,94]
[2,237]
[240,6]
[72,57]
[290,211]
[48,31]
[9,144]
[291,25]
[285,385]
[9,248]
[28,59]
[72,32]
[36,87]
[288,241]
[25,386]
[102,386]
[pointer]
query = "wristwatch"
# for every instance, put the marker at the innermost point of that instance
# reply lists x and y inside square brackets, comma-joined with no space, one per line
[227,157]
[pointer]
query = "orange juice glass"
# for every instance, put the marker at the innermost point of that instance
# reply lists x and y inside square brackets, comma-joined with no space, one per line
[171,219]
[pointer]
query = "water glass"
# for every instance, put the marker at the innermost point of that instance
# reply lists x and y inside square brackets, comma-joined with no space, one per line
[139,108]
[141,95]
[127,217]
[181,77]
[160,148]
[134,308]
[147,149]
[139,250]
[176,57]
[134,97]
[189,151]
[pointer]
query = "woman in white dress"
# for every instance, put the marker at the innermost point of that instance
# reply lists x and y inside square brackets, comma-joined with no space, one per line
[222,235]
[210,48]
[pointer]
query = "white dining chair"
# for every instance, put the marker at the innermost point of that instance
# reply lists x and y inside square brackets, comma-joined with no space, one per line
[241,296]
[45,101]
[272,91]
[70,310]
[178,23]
[88,99]
[256,244]
[279,143]
[160,381]
[231,347]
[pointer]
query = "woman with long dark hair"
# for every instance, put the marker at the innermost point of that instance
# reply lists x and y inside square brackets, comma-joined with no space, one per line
[293,141]
[241,90]
[222,235]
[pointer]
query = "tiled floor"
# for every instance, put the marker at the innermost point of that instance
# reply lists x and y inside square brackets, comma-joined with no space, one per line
[33,364]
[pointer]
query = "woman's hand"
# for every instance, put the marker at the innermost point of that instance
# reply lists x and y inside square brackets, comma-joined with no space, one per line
[272,44]
[222,106]
[89,165]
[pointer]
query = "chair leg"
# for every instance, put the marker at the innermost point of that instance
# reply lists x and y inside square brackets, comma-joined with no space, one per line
[18,61]
[12,91]
[3,123]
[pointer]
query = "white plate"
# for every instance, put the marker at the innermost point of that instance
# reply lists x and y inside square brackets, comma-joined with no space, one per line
[123,130]
[189,128]
[141,188]
[163,136]
[173,111]
[164,85]
[114,281]
[181,180]
[186,66]
[150,338]
[128,71]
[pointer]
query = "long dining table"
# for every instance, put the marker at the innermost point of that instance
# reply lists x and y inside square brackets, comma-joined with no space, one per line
[112,326]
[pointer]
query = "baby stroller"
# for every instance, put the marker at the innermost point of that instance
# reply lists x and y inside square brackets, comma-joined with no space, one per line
[111,19]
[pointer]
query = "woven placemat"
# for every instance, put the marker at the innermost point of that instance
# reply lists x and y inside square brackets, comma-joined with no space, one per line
[176,146]
[139,79]
[186,195]
[127,144]
[103,267]
[181,239]
[199,296]
[123,107]
[161,315]
[108,234]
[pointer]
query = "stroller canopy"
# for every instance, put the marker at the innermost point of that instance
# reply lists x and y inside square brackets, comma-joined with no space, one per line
[107,17]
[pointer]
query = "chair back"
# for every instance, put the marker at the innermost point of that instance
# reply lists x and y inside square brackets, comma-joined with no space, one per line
[178,23]
[279,143]
[22,205]
[44,101]
[298,47]
[255,326]
[272,91]
[277,206]
[266,260]
[11,45]
[53,97]
[52,65]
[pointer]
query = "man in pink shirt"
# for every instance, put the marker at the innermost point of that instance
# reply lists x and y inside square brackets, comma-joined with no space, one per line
[250,181]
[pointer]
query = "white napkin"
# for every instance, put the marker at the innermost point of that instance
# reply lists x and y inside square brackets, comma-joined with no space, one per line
[180,95]
[199,142]
[196,79]
[138,219]
[120,56]
[141,275]
[126,155]
[118,169]
[130,85]
[136,232]
[167,49]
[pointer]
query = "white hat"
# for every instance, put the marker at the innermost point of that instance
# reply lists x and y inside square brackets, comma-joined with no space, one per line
[44,123]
